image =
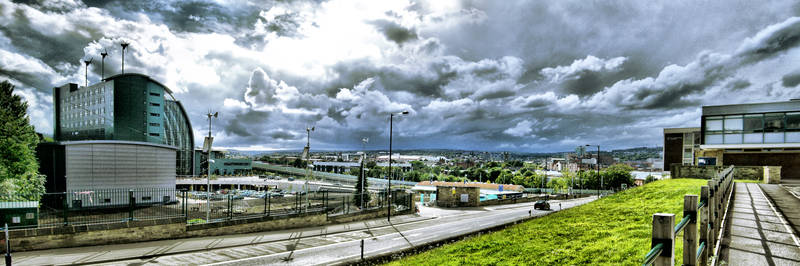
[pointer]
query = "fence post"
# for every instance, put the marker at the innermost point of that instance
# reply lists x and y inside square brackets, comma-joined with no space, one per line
[266,198]
[185,206]
[663,233]
[66,210]
[703,214]
[269,204]
[131,204]
[690,231]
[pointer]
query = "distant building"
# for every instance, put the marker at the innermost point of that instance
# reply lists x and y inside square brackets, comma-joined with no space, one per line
[680,145]
[222,165]
[125,107]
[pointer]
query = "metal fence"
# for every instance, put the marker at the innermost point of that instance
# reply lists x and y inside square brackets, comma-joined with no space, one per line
[121,205]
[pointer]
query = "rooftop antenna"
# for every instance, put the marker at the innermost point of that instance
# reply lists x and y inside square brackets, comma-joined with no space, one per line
[103,65]
[124,46]
[86,70]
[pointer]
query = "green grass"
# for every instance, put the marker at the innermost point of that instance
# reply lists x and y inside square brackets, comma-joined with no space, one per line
[746,181]
[614,230]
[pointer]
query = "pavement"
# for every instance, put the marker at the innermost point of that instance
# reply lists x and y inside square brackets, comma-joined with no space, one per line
[756,232]
[324,245]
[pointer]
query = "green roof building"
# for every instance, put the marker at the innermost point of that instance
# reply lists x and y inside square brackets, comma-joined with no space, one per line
[126,107]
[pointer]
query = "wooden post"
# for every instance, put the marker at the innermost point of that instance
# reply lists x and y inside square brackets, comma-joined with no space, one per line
[664,233]
[690,231]
[711,210]
[703,214]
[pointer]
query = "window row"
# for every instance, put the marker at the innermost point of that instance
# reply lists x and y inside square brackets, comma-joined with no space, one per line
[753,138]
[771,122]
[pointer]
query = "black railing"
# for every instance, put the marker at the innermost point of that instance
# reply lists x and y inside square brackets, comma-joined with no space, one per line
[121,205]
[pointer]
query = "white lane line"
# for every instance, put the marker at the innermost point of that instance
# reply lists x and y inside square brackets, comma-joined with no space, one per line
[780,216]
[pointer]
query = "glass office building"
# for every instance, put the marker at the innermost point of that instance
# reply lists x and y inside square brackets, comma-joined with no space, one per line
[759,134]
[128,107]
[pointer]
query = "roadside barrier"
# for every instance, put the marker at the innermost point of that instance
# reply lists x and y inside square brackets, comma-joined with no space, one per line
[710,210]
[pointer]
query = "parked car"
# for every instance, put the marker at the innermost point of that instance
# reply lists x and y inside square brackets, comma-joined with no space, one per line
[541,205]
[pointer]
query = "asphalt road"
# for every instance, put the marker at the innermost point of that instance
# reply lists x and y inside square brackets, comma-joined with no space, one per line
[318,247]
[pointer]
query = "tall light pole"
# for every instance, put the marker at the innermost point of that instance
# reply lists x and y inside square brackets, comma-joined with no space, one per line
[362,174]
[598,167]
[86,70]
[307,152]
[124,46]
[103,65]
[389,190]
[208,142]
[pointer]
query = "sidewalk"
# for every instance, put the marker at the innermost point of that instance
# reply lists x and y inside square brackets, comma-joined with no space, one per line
[109,253]
[755,232]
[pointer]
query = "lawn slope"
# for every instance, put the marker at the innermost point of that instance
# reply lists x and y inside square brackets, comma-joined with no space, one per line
[612,230]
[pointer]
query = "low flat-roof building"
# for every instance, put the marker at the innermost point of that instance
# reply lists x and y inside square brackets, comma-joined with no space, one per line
[680,145]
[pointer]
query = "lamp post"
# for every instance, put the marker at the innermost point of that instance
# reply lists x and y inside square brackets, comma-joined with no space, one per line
[598,167]
[209,140]
[308,157]
[389,189]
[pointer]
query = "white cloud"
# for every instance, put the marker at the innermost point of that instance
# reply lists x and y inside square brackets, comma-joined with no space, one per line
[523,128]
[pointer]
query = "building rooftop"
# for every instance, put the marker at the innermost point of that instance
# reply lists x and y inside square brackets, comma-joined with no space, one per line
[792,105]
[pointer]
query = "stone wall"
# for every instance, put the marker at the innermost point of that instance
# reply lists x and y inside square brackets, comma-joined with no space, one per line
[709,171]
[449,197]
[772,175]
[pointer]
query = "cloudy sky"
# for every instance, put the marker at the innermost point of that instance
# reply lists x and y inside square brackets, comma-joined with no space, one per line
[529,76]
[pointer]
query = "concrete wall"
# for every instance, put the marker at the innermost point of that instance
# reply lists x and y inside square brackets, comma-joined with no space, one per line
[449,197]
[772,175]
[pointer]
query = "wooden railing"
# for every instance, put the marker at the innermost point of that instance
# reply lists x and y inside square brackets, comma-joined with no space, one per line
[710,210]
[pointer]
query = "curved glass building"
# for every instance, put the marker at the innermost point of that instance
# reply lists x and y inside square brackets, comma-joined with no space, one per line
[129,107]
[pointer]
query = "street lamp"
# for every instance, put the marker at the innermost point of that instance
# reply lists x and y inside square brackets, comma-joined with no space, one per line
[598,166]
[207,145]
[389,189]
[307,153]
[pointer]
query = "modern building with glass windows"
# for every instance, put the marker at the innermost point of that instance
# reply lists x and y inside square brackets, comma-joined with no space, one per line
[763,134]
[125,107]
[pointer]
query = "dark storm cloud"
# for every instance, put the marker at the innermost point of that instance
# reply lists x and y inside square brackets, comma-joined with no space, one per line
[241,123]
[791,79]
[510,75]
[395,32]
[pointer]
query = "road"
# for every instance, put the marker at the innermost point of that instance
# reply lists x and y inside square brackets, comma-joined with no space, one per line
[333,244]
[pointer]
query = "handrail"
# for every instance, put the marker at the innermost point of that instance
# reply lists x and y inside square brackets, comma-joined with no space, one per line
[679,227]
[700,250]
[704,213]
[653,254]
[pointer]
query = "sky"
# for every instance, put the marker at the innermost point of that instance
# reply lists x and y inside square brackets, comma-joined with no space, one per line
[521,76]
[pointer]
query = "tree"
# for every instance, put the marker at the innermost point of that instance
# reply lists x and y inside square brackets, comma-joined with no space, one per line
[19,169]
[616,175]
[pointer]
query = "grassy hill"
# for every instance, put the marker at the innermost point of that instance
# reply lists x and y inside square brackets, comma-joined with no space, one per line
[613,230]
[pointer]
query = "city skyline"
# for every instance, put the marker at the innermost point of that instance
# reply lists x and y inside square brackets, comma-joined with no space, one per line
[493,76]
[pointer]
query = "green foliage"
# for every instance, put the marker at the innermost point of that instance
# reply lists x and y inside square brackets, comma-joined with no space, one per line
[18,165]
[614,230]
[616,175]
